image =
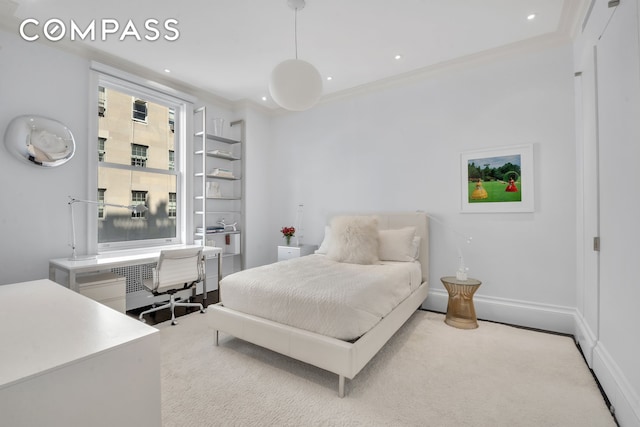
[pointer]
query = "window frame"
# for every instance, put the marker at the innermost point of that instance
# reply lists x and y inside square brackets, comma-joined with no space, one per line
[139,158]
[172,206]
[102,150]
[102,102]
[100,198]
[137,102]
[135,201]
[139,88]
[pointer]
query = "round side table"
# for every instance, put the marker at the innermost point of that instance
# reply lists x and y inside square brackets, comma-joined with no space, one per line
[460,311]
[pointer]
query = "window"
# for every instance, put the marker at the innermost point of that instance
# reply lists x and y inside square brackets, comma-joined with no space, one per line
[172,207]
[172,119]
[101,203]
[172,160]
[102,101]
[143,167]
[101,151]
[138,198]
[139,110]
[139,155]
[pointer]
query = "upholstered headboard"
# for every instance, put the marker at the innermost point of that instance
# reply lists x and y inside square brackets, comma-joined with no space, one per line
[393,220]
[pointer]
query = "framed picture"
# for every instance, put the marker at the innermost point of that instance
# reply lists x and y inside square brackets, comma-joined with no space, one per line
[497,180]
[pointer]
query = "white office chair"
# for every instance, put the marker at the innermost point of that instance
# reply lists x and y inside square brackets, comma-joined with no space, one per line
[177,270]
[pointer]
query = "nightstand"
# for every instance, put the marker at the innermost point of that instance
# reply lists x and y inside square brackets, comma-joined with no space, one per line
[288,252]
[460,310]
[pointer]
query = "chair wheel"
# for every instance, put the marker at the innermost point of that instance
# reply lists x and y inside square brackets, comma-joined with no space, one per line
[174,323]
[204,310]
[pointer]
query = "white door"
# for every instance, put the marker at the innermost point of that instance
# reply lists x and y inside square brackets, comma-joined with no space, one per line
[618,91]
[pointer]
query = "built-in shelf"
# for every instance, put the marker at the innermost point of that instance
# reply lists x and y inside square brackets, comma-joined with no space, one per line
[228,178]
[219,198]
[231,212]
[219,155]
[211,233]
[218,138]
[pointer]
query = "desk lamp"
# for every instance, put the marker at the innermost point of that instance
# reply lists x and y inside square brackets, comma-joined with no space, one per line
[72,201]
[461,273]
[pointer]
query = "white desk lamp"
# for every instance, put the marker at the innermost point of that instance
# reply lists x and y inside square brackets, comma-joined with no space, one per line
[72,201]
[461,273]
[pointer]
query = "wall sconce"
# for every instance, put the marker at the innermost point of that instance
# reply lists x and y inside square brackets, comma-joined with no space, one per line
[40,141]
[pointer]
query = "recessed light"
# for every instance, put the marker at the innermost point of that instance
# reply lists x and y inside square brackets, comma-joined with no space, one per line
[397,57]
[166,70]
[329,78]
[531,17]
[264,98]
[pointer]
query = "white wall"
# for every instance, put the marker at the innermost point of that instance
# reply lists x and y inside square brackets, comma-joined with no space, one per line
[608,53]
[35,221]
[394,149]
[258,192]
[399,149]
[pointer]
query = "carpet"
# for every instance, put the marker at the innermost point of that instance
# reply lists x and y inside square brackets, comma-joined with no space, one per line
[428,374]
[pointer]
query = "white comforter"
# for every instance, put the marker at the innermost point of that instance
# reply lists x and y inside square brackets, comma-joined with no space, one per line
[320,295]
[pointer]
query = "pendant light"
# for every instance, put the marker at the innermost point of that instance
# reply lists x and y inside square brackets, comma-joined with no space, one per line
[295,84]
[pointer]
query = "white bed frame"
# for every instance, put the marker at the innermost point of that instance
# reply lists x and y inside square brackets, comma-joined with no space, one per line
[343,358]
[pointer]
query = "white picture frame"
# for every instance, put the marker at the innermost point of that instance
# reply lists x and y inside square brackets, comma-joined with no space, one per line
[506,180]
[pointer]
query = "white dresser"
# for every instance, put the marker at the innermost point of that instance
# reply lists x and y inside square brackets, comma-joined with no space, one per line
[288,252]
[67,360]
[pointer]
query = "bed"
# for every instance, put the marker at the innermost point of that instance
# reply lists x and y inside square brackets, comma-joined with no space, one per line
[256,310]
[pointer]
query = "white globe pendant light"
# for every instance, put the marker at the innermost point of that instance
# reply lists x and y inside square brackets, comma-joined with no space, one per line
[295,84]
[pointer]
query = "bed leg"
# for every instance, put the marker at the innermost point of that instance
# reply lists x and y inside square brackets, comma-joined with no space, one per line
[215,337]
[340,386]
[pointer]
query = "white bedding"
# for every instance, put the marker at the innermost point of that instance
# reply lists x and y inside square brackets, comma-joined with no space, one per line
[314,293]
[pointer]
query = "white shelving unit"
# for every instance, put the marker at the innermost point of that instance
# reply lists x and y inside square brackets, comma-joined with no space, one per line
[219,191]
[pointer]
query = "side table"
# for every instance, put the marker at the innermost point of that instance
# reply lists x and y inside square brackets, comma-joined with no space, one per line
[288,252]
[460,310]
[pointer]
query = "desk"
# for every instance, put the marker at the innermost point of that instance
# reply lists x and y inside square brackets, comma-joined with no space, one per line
[460,310]
[122,259]
[71,361]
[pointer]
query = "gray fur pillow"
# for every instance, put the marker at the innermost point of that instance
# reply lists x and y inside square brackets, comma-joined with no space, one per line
[354,240]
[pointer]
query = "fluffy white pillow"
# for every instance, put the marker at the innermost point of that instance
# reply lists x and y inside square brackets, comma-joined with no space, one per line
[324,246]
[397,244]
[354,240]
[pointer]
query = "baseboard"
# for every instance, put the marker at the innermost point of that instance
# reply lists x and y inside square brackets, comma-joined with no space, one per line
[621,395]
[585,338]
[533,315]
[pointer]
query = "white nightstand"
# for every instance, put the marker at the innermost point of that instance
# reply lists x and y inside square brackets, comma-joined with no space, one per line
[288,252]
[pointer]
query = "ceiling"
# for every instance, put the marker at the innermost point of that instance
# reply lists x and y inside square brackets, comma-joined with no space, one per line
[229,47]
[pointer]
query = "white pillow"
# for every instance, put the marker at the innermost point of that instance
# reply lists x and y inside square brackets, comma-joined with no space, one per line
[416,246]
[397,244]
[354,240]
[324,246]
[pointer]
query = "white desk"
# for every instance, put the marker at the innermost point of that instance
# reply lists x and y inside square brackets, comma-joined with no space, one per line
[122,259]
[67,360]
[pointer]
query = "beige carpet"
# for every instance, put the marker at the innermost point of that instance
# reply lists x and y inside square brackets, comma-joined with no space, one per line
[428,374]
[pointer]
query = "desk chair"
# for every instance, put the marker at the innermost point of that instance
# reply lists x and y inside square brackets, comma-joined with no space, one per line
[177,270]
